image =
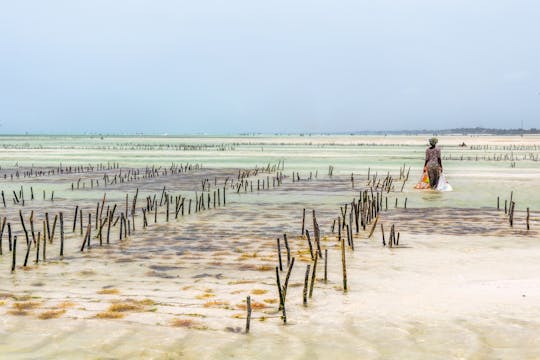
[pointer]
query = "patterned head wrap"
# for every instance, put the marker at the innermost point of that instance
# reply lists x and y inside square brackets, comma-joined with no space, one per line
[433,141]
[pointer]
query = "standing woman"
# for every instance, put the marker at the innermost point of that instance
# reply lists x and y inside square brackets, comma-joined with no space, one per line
[433,164]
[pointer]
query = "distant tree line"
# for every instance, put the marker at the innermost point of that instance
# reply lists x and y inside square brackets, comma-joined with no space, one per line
[455,131]
[464,131]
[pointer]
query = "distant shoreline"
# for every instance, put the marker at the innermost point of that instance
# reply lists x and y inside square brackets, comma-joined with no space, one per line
[448,132]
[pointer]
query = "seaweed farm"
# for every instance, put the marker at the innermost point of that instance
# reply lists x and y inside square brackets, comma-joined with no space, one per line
[264,247]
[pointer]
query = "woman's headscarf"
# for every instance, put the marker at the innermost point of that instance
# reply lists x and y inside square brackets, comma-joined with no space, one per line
[433,141]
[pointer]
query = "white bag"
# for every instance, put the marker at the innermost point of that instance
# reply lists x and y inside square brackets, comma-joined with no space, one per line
[443,185]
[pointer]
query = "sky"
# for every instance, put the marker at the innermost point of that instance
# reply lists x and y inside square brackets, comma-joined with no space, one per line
[282,66]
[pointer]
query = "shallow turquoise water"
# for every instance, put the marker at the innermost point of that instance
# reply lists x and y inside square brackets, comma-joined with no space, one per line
[476,182]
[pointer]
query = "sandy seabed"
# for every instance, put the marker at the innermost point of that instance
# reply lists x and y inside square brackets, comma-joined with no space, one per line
[462,284]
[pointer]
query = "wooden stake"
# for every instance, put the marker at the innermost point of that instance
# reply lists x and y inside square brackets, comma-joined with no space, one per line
[373,227]
[313,276]
[281,298]
[44,241]
[61,234]
[2,233]
[97,215]
[306,281]
[86,235]
[9,237]
[48,226]
[310,246]
[303,221]
[248,317]
[286,284]
[90,231]
[53,228]
[167,207]
[348,235]
[80,221]
[325,265]
[37,246]
[121,232]
[279,255]
[24,227]
[32,227]
[14,253]
[288,249]
[75,217]
[344,265]
[28,245]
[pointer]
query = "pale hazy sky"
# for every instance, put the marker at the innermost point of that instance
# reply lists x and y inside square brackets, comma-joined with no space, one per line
[231,66]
